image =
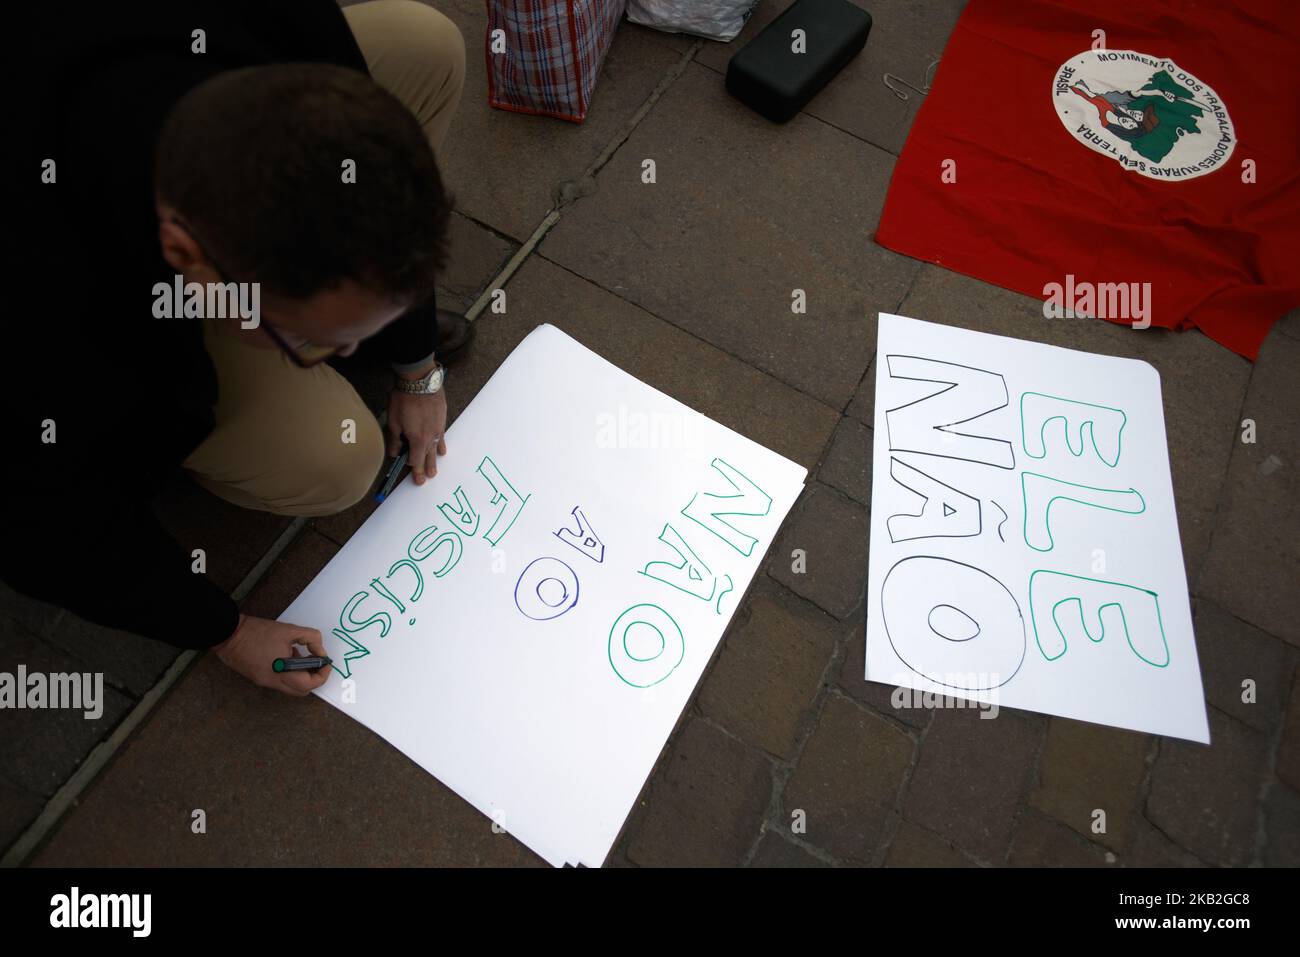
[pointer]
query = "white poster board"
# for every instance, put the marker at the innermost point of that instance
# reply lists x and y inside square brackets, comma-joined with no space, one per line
[1024,546]
[529,624]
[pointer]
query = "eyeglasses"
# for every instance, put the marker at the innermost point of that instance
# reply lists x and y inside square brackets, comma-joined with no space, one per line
[303,353]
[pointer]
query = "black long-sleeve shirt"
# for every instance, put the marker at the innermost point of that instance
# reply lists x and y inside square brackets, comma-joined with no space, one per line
[129,396]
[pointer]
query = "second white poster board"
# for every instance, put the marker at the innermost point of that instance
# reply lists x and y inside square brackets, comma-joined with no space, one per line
[1024,545]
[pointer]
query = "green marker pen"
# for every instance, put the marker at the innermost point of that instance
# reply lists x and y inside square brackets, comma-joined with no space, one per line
[299,664]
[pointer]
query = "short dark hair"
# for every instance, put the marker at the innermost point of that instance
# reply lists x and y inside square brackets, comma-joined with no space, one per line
[253,160]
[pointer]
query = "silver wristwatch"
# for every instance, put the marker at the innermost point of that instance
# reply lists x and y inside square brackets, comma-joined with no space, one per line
[427,385]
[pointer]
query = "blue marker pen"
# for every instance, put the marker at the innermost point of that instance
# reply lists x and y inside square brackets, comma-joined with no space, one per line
[390,478]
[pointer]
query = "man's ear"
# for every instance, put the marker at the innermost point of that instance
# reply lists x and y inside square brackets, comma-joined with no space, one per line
[180,250]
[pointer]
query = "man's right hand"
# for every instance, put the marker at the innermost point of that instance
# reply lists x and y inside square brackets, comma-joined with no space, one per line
[257,642]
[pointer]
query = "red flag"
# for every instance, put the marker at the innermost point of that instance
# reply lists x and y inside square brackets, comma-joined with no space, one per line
[1076,165]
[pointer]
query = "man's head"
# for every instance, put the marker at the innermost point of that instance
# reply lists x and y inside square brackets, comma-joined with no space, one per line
[311,180]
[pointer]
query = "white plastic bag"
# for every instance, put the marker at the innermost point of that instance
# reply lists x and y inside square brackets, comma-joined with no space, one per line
[714,19]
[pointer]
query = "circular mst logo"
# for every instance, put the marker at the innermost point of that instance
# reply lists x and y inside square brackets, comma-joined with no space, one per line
[1145,112]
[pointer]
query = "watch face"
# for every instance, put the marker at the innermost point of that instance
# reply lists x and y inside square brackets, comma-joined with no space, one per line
[430,383]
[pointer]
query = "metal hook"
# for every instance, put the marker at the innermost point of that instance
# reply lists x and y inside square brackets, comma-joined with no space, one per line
[929,74]
[902,94]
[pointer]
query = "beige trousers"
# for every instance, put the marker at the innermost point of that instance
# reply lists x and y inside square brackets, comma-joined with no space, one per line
[300,441]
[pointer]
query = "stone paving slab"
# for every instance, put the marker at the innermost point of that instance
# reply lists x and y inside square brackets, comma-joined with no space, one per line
[1282,823]
[774,851]
[769,670]
[1289,325]
[1254,559]
[1206,798]
[1087,769]
[18,808]
[862,406]
[677,42]
[969,783]
[474,255]
[40,749]
[1040,842]
[848,464]
[830,530]
[1233,653]
[881,697]
[292,572]
[505,168]
[1288,758]
[914,846]
[130,663]
[705,804]
[848,780]
[738,218]
[1150,848]
[17,611]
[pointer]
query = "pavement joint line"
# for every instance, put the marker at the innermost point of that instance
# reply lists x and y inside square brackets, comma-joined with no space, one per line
[283,541]
[512,265]
[1269,783]
[784,768]
[780,834]
[553,216]
[875,354]
[1209,599]
[48,635]
[485,226]
[510,241]
[893,820]
[912,731]
[100,756]
[696,336]
[1203,560]
[66,796]
[621,137]
[1028,788]
[51,626]
[1144,785]
[693,712]
[819,119]
[1273,738]
[625,131]
[1168,837]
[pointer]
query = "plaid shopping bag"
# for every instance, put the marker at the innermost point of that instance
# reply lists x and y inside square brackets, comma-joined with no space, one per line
[553,51]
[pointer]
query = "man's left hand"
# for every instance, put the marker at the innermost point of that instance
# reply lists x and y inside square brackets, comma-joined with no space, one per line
[421,419]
